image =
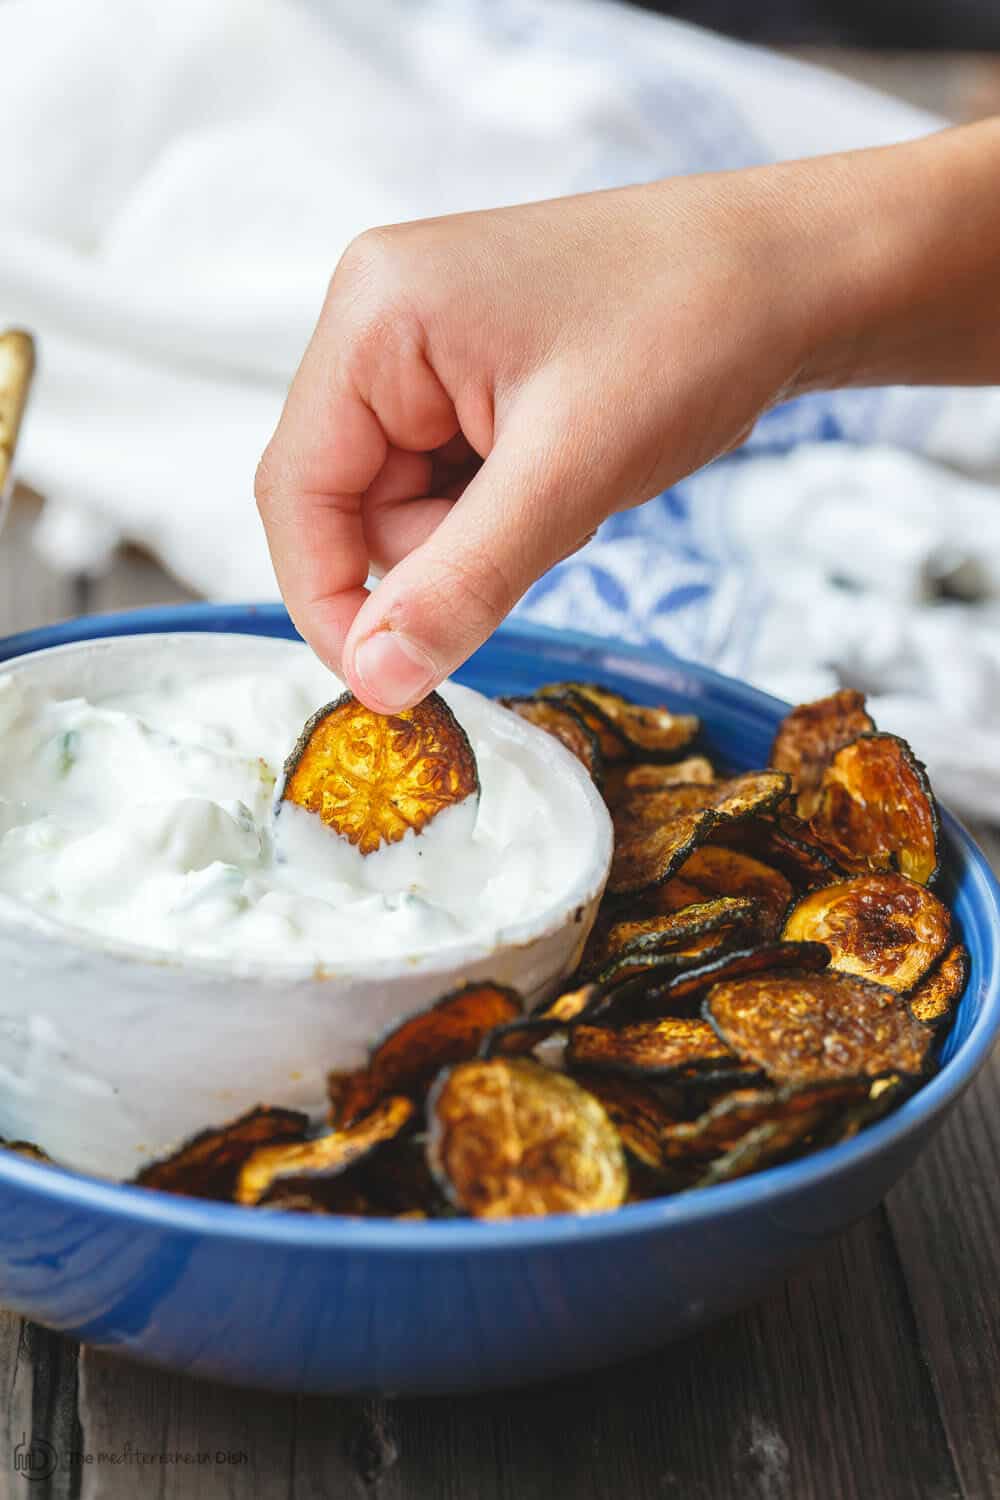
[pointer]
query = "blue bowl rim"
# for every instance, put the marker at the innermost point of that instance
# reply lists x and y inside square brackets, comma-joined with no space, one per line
[231,1221]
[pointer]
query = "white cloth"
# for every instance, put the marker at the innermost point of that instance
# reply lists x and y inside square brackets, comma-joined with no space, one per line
[178,182]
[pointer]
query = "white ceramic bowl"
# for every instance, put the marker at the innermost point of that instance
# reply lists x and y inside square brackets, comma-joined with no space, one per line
[111,1054]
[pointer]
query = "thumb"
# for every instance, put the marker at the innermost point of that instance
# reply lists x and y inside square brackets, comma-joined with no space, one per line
[524,511]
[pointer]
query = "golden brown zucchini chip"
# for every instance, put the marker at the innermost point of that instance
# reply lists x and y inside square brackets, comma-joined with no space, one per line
[809,737]
[646,856]
[638,1114]
[655,776]
[668,931]
[769,1143]
[509,1138]
[803,1028]
[304,1168]
[627,730]
[933,1001]
[749,795]
[410,1056]
[876,810]
[730,1119]
[785,843]
[562,721]
[372,777]
[663,991]
[883,927]
[650,1049]
[208,1165]
[28,1149]
[548,1019]
[711,871]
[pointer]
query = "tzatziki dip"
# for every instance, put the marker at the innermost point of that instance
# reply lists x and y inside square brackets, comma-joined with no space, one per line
[147,817]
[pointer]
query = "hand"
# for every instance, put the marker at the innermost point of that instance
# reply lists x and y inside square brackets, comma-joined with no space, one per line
[481,391]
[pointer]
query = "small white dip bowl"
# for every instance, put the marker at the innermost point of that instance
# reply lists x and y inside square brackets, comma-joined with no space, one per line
[111,1054]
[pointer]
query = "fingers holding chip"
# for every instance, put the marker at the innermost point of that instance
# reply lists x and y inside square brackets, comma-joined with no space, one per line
[374,778]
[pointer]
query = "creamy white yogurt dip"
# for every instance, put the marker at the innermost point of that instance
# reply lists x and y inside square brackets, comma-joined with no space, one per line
[147,817]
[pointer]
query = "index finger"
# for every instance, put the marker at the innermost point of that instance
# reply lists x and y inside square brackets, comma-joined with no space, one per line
[327,449]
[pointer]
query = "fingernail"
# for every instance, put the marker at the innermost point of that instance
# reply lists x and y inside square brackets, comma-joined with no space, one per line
[393,670]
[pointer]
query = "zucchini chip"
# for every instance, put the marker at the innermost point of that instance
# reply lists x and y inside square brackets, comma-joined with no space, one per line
[730,1119]
[934,999]
[303,1168]
[373,777]
[646,855]
[509,1138]
[654,776]
[638,959]
[876,810]
[883,927]
[28,1149]
[784,842]
[711,871]
[638,1114]
[410,1056]
[208,1165]
[668,931]
[749,795]
[803,1028]
[663,991]
[627,730]
[650,1049]
[809,737]
[562,721]
[771,1142]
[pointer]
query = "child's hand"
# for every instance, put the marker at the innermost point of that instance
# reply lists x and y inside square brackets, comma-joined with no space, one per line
[482,390]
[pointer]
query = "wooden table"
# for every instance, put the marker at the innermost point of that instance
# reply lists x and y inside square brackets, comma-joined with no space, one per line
[872,1374]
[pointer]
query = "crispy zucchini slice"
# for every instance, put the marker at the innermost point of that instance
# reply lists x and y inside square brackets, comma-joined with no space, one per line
[809,737]
[627,730]
[646,856]
[562,721]
[410,1056]
[668,931]
[373,777]
[730,1119]
[17,365]
[509,1138]
[933,1001]
[769,1143]
[654,776]
[28,1149]
[876,810]
[639,959]
[883,927]
[209,1164]
[663,991]
[785,843]
[710,871]
[637,1112]
[803,1028]
[303,1168]
[650,1049]
[749,795]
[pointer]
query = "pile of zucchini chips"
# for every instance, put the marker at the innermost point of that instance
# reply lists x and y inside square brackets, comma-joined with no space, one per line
[769,972]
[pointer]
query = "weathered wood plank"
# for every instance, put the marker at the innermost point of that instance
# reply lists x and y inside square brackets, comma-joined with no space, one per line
[820,1390]
[945,1216]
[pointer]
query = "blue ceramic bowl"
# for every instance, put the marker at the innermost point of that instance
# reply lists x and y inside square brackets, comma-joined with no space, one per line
[303,1303]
